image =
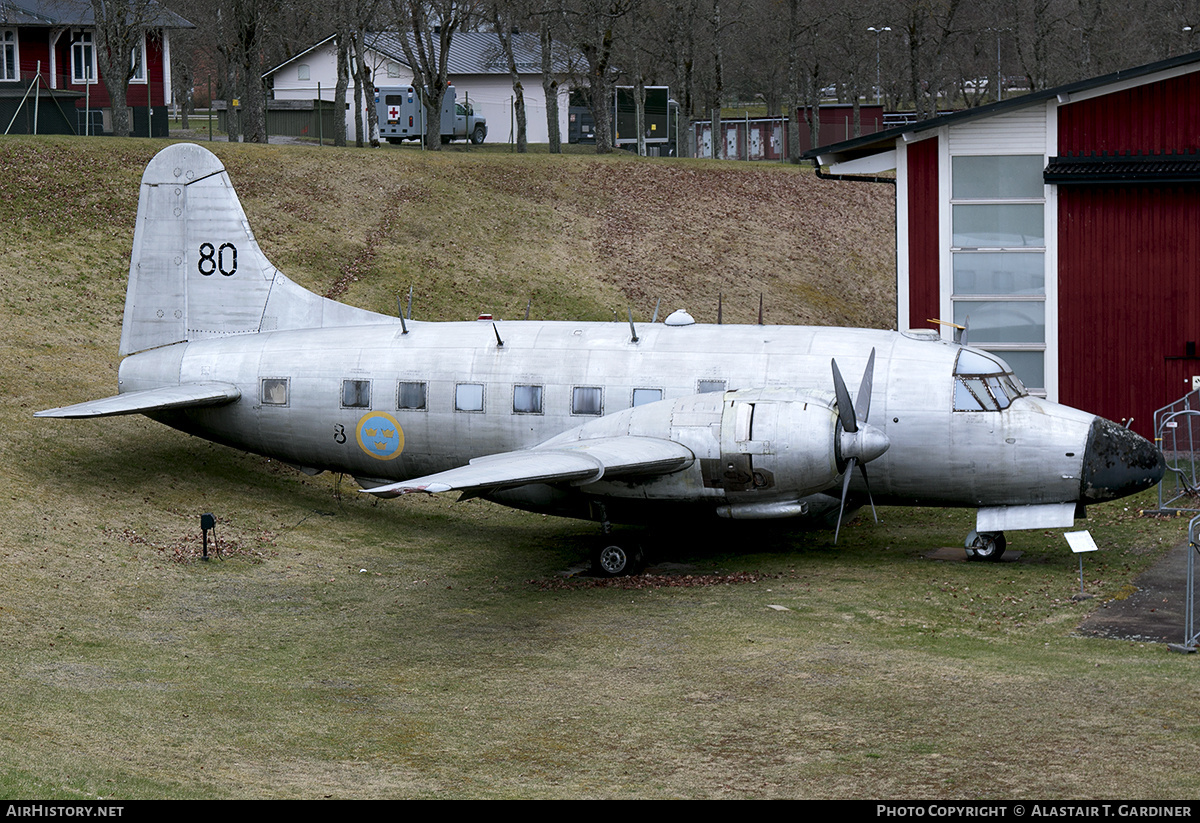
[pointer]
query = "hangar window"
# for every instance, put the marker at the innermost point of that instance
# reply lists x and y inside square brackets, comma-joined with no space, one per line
[303,72]
[643,396]
[984,384]
[998,256]
[411,396]
[527,399]
[587,400]
[468,397]
[274,391]
[356,394]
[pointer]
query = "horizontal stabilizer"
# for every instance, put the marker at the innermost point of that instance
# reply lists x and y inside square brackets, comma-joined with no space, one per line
[186,396]
[579,463]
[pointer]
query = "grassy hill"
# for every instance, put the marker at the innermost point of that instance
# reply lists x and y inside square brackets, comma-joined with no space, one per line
[349,647]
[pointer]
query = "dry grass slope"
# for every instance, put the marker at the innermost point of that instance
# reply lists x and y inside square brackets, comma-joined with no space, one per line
[348,648]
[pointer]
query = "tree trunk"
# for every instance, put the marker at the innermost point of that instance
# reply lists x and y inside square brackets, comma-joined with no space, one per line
[550,87]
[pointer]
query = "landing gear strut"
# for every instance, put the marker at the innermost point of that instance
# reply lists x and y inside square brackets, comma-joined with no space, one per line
[985,546]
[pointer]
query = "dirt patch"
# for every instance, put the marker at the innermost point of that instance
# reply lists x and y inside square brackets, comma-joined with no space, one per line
[1151,610]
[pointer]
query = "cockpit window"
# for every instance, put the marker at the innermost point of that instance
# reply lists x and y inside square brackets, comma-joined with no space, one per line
[984,384]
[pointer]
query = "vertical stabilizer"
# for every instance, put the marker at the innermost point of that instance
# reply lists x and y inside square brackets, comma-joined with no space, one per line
[196,270]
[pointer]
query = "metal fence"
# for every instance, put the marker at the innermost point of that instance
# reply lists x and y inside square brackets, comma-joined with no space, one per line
[1177,434]
[1189,612]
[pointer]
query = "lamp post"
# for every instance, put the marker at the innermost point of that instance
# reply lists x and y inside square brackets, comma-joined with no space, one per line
[878,83]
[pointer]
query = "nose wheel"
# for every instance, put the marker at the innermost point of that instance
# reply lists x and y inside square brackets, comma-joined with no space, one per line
[616,559]
[985,546]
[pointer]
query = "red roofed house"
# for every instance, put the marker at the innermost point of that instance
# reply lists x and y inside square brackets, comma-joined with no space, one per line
[57,39]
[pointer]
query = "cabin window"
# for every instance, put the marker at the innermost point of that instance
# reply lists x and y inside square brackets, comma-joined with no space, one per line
[410,396]
[468,397]
[9,60]
[643,396]
[984,384]
[356,394]
[274,391]
[707,386]
[998,256]
[83,59]
[527,399]
[303,72]
[587,400]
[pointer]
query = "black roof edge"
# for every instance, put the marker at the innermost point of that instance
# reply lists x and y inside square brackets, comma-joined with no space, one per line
[890,135]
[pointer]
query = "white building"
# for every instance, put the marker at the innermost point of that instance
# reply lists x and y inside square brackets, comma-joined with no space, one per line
[477,69]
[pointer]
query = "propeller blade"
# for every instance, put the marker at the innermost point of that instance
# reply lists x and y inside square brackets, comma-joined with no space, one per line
[845,407]
[862,406]
[845,489]
[862,467]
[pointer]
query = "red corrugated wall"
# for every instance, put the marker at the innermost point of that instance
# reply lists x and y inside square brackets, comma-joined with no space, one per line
[923,236]
[1129,258]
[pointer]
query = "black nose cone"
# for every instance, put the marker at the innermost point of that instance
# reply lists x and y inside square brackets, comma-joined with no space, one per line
[1117,462]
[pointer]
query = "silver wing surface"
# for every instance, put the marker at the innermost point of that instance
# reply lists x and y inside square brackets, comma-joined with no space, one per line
[578,463]
[187,395]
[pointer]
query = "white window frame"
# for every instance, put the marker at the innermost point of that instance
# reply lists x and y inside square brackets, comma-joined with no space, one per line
[78,43]
[138,59]
[9,40]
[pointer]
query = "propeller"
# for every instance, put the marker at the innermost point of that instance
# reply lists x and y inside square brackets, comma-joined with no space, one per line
[858,442]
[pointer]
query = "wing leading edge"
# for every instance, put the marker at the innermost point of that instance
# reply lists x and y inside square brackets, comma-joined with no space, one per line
[165,398]
[579,463]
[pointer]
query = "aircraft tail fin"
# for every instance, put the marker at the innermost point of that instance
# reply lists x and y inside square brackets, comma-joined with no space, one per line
[196,270]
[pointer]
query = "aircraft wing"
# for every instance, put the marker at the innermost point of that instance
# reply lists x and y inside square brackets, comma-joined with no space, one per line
[186,395]
[577,463]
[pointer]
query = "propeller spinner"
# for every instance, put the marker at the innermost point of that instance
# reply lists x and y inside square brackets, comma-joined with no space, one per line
[858,443]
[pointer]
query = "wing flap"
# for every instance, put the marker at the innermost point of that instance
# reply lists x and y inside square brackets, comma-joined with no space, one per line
[165,398]
[579,463]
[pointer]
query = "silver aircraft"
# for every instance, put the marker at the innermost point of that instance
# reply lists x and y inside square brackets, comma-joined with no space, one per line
[612,422]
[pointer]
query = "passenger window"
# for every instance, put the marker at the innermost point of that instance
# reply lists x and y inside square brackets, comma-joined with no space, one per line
[410,396]
[527,399]
[356,394]
[587,400]
[707,386]
[274,391]
[468,397]
[643,396]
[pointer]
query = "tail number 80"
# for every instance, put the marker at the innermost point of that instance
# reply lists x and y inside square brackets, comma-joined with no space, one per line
[214,259]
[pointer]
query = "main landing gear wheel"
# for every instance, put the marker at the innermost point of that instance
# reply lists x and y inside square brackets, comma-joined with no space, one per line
[985,546]
[613,560]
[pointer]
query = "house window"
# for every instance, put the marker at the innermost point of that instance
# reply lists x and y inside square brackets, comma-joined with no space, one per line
[9,61]
[468,397]
[411,396]
[138,59]
[356,394]
[83,58]
[527,399]
[303,72]
[393,69]
[998,258]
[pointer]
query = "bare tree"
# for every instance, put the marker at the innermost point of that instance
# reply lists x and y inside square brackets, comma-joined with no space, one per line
[121,28]
[592,29]
[426,32]
[504,32]
[549,75]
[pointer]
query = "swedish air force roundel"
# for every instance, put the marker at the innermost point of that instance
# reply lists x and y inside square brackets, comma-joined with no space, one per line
[380,436]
